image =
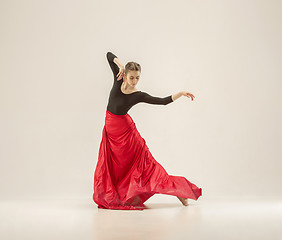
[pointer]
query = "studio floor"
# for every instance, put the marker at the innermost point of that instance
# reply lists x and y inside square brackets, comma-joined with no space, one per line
[165,219]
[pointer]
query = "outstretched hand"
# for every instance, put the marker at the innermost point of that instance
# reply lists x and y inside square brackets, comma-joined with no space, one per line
[187,94]
[121,73]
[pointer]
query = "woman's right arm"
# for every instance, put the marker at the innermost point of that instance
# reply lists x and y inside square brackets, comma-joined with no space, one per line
[114,63]
[117,62]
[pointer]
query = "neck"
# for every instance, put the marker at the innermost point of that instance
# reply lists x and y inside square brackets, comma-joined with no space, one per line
[128,87]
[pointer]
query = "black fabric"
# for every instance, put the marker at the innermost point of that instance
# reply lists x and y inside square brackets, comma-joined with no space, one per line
[119,103]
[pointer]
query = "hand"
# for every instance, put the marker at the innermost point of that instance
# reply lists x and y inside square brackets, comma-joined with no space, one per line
[121,73]
[187,94]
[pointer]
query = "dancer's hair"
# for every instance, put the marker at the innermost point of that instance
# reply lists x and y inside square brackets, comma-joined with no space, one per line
[132,66]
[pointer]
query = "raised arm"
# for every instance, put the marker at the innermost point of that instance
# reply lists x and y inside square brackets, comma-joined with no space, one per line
[114,67]
[147,98]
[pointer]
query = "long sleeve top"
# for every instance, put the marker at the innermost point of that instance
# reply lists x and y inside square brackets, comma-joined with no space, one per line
[119,103]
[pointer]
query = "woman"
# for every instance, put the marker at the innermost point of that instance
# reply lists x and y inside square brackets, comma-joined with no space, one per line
[126,173]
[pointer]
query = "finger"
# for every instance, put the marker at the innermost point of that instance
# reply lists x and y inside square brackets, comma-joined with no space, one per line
[118,75]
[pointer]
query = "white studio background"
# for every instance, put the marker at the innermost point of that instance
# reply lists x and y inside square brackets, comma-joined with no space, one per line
[55,83]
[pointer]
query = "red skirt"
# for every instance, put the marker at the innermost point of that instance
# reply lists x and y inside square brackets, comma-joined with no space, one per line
[127,174]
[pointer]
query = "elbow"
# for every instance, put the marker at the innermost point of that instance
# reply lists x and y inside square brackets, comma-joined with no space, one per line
[108,56]
[111,56]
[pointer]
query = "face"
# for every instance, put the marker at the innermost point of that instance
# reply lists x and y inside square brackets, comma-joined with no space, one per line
[132,78]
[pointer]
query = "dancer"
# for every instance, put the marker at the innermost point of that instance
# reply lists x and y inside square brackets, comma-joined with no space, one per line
[126,173]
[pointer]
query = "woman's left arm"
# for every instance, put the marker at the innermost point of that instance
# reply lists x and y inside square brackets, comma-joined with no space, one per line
[182,93]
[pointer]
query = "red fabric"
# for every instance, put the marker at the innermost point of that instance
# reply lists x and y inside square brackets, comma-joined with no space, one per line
[127,174]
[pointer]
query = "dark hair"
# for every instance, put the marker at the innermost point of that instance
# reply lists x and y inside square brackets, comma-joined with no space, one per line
[132,66]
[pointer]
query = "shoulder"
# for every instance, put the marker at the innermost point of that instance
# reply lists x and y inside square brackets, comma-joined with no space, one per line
[142,95]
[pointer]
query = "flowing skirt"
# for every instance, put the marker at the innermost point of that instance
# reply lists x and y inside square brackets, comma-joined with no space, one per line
[127,174]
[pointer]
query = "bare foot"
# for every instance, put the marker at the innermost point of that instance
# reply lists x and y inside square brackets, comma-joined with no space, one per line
[183,200]
[137,200]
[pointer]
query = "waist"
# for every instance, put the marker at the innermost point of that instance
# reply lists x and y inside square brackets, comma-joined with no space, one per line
[114,118]
[118,123]
[115,115]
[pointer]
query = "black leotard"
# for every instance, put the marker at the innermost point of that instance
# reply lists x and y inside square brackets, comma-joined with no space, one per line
[119,103]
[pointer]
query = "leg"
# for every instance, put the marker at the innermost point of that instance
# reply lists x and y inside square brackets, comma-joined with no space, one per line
[183,200]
